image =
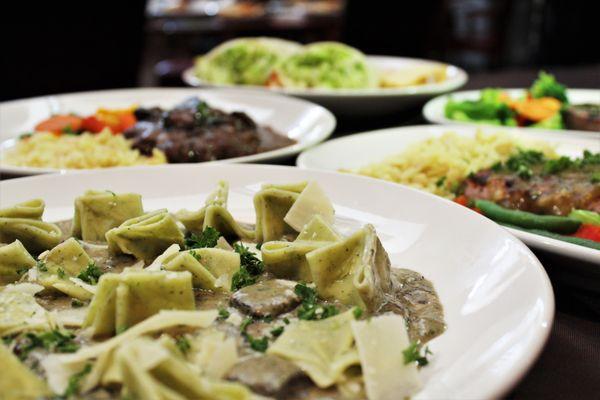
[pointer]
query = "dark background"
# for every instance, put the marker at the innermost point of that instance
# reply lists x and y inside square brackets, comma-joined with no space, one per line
[54,47]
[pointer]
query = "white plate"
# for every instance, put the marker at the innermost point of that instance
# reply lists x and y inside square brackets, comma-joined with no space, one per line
[434,110]
[362,149]
[497,298]
[354,102]
[300,120]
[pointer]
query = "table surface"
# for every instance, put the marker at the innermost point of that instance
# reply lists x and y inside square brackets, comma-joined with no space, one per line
[569,365]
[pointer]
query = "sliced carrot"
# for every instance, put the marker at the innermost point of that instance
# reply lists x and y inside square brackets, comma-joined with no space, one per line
[127,121]
[60,124]
[537,109]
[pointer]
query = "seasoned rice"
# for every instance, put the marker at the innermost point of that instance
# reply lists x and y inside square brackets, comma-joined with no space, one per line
[438,165]
[85,151]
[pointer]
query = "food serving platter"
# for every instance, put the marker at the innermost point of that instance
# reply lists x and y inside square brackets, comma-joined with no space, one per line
[306,123]
[433,111]
[498,301]
[362,149]
[353,102]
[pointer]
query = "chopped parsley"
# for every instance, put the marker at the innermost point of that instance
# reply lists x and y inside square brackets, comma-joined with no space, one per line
[413,354]
[54,341]
[286,321]
[250,268]
[244,325]
[440,182]
[208,238]
[183,344]
[257,344]
[41,265]
[595,178]
[76,303]
[22,270]
[309,309]
[276,332]
[195,255]
[358,312]
[223,314]
[75,381]
[26,135]
[61,273]
[91,273]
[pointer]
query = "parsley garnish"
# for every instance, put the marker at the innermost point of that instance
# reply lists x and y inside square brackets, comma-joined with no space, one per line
[250,268]
[75,381]
[440,182]
[286,321]
[258,344]
[358,312]
[413,354]
[208,238]
[309,309]
[195,255]
[276,332]
[76,303]
[41,265]
[61,273]
[22,270]
[91,273]
[54,341]
[26,135]
[223,314]
[595,177]
[244,325]
[183,344]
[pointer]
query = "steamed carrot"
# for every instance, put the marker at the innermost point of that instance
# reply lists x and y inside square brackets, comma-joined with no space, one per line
[60,124]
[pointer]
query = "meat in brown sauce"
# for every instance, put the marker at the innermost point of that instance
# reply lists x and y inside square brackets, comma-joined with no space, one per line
[196,132]
[552,194]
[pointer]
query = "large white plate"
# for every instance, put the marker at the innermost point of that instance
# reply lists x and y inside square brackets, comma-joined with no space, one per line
[434,109]
[300,120]
[497,298]
[366,102]
[361,149]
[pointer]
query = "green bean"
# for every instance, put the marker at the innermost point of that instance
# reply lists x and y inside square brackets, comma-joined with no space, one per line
[528,220]
[570,239]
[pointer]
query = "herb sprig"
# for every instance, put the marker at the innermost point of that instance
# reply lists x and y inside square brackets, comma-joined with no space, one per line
[208,238]
[309,309]
[413,354]
[91,274]
[250,268]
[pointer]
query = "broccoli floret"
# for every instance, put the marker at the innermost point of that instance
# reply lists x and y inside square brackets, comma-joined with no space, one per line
[547,86]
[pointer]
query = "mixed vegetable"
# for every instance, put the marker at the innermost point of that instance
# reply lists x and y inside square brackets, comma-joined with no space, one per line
[117,120]
[540,107]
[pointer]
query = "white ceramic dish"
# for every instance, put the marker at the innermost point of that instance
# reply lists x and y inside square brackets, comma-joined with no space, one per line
[434,109]
[365,102]
[497,298]
[361,149]
[300,120]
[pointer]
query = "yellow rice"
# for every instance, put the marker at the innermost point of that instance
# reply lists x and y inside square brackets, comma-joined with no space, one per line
[88,150]
[424,164]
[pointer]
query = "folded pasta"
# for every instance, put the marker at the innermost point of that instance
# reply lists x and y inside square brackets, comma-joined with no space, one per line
[32,209]
[272,203]
[14,261]
[355,271]
[17,381]
[145,237]
[210,268]
[123,300]
[34,234]
[96,212]
[214,214]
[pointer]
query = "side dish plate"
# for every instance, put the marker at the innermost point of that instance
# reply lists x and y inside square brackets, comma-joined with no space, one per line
[362,149]
[498,301]
[300,120]
[434,109]
[353,102]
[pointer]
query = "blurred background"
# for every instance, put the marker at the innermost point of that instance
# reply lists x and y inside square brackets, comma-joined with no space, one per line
[54,47]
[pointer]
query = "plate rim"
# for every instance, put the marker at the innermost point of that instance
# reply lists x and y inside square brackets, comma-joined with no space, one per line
[328,129]
[537,241]
[431,107]
[543,329]
[448,85]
